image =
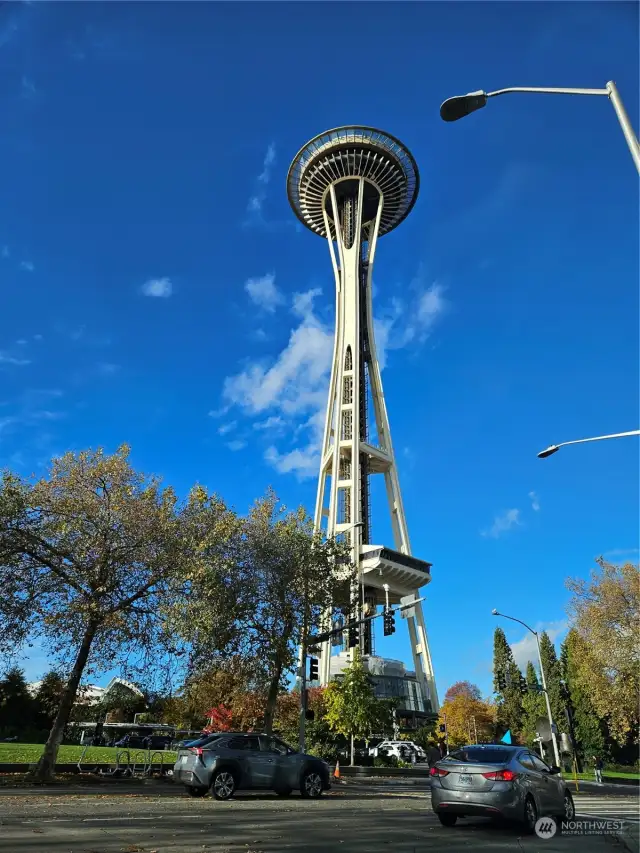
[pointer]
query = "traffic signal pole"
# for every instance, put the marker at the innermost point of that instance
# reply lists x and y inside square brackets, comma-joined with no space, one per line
[317,639]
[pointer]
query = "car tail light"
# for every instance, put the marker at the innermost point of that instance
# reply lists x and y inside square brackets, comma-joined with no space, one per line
[437,771]
[196,750]
[501,776]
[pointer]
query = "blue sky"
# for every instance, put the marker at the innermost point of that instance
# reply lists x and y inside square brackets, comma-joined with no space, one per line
[156,290]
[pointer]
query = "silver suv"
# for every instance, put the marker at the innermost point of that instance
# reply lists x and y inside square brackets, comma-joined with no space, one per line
[230,761]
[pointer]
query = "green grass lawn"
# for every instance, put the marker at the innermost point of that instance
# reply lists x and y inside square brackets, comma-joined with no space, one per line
[608,774]
[27,753]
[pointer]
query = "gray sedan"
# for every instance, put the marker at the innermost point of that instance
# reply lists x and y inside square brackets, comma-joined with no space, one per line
[228,761]
[490,780]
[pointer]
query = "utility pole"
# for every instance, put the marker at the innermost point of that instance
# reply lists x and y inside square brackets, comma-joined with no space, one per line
[303,671]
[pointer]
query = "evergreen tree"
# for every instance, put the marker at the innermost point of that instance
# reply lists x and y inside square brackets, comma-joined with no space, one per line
[17,707]
[510,711]
[533,705]
[589,730]
[48,699]
[553,677]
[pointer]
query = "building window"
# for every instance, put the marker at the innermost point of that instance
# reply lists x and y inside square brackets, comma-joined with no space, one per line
[347,390]
[348,360]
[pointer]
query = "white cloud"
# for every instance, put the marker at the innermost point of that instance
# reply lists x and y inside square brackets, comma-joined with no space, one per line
[502,523]
[272,423]
[106,368]
[254,205]
[289,392]
[526,649]
[5,251]
[28,88]
[5,358]
[158,287]
[225,428]
[404,322]
[535,501]
[264,293]
[622,552]
[27,266]
[292,388]
[236,444]
[303,463]
[21,342]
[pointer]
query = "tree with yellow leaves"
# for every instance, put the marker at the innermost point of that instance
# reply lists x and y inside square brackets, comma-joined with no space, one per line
[91,559]
[605,613]
[466,716]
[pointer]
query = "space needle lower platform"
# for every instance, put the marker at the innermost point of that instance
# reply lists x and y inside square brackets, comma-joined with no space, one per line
[352,185]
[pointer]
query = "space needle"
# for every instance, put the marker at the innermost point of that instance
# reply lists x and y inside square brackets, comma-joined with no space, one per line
[352,185]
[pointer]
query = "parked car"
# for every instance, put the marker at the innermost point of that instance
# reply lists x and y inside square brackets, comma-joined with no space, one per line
[491,780]
[400,749]
[235,761]
[141,740]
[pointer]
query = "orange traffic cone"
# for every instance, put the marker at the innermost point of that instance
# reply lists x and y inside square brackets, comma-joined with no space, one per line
[336,772]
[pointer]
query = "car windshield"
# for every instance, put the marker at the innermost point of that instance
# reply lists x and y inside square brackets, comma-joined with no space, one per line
[481,755]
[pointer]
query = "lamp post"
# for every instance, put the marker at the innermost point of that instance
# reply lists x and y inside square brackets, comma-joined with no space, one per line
[553,448]
[458,107]
[556,753]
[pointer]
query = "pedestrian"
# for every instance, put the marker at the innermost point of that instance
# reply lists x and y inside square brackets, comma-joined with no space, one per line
[433,754]
[598,764]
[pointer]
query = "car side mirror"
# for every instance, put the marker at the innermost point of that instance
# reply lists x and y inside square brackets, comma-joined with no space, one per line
[553,771]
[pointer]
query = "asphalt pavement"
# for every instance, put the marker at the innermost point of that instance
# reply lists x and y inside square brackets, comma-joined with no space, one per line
[164,820]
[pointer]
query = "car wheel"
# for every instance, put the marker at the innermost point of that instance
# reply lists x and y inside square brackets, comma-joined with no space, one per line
[447,819]
[283,792]
[195,792]
[311,785]
[569,808]
[530,814]
[223,785]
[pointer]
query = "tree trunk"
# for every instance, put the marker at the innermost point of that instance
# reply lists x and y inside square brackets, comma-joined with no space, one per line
[44,769]
[272,697]
[353,752]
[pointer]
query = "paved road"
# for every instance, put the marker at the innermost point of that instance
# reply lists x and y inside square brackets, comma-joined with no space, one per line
[169,822]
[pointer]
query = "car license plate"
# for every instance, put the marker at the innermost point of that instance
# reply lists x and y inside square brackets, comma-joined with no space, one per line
[465,779]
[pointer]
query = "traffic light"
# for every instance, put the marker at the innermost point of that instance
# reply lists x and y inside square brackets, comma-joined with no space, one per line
[366,641]
[442,728]
[308,715]
[313,669]
[523,685]
[354,636]
[389,621]
[501,681]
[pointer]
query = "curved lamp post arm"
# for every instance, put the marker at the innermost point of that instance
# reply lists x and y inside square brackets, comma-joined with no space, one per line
[541,90]
[461,105]
[513,619]
[553,448]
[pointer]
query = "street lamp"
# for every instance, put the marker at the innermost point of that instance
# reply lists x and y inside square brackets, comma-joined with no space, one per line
[456,108]
[556,753]
[553,448]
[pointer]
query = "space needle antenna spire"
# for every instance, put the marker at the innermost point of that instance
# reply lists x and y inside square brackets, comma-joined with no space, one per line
[352,185]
